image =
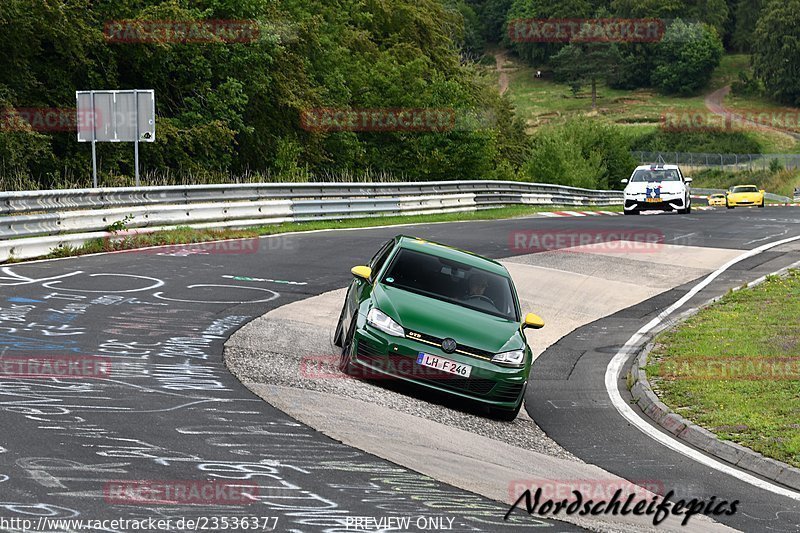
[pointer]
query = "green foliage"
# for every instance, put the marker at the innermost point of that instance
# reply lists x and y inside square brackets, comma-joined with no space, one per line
[492,14]
[686,58]
[776,50]
[581,63]
[697,141]
[120,225]
[539,53]
[747,85]
[747,14]
[581,153]
[235,107]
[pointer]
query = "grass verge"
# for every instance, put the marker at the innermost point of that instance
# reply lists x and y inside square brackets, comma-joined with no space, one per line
[188,235]
[734,368]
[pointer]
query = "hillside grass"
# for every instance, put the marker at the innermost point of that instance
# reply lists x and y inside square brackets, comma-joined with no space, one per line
[541,101]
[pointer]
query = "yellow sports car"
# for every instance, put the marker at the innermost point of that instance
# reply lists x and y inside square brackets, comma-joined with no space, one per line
[716,199]
[744,195]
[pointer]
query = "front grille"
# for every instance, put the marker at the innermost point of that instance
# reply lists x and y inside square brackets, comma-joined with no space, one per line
[366,352]
[508,392]
[476,386]
[407,367]
[460,348]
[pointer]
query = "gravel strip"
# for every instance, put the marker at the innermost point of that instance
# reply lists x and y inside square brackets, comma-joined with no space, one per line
[278,351]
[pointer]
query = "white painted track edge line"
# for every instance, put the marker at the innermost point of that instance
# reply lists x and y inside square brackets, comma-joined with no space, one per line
[614,369]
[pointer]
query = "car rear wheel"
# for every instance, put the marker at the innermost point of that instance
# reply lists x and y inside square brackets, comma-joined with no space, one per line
[344,360]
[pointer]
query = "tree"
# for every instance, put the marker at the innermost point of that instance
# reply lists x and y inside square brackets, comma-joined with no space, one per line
[580,63]
[534,52]
[747,14]
[686,58]
[776,50]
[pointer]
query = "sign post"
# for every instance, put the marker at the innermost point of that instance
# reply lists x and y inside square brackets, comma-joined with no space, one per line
[116,116]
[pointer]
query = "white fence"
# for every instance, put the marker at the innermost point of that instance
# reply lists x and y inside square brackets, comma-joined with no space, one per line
[33,223]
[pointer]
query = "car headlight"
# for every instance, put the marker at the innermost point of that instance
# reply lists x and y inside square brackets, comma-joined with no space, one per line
[512,358]
[379,320]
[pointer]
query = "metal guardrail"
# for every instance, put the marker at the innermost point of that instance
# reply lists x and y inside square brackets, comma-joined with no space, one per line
[35,222]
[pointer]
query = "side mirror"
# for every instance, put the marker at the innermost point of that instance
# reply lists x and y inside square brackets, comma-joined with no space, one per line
[624,181]
[363,272]
[533,321]
[687,179]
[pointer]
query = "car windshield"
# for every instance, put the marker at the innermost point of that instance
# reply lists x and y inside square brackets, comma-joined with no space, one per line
[453,282]
[717,196]
[745,188]
[658,175]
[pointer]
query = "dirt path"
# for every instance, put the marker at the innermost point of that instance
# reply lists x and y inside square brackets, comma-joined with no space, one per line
[714,103]
[500,58]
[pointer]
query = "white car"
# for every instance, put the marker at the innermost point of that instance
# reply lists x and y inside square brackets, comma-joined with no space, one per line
[657,187]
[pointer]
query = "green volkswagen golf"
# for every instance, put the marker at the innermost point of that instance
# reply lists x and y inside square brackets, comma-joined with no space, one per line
[441,318]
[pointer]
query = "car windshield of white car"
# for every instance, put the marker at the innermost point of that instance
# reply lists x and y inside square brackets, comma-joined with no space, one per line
[655,176]
[453,282]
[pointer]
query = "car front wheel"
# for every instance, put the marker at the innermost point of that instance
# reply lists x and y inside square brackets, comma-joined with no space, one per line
[344,360]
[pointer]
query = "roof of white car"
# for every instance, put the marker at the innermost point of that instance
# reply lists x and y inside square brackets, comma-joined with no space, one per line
[654,166]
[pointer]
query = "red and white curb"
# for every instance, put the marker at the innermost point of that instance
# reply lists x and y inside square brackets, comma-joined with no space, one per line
[580,214]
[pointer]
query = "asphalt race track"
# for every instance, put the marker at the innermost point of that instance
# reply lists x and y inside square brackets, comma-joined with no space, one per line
[169,411]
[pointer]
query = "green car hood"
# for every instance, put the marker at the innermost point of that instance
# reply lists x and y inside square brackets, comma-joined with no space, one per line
[442,319]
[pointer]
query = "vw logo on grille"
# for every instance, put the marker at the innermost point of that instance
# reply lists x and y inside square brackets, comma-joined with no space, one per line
[449,345]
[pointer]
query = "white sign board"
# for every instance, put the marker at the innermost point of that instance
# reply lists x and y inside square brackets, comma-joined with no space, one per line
[117,116]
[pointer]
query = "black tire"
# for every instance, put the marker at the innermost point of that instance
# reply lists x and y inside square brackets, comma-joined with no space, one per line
[507,415]
[632,212]
[344,360]
[729,206]
[762,203]
[337,336]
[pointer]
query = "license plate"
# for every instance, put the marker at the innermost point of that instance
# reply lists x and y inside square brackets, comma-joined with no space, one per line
[652,200]
[445,365]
